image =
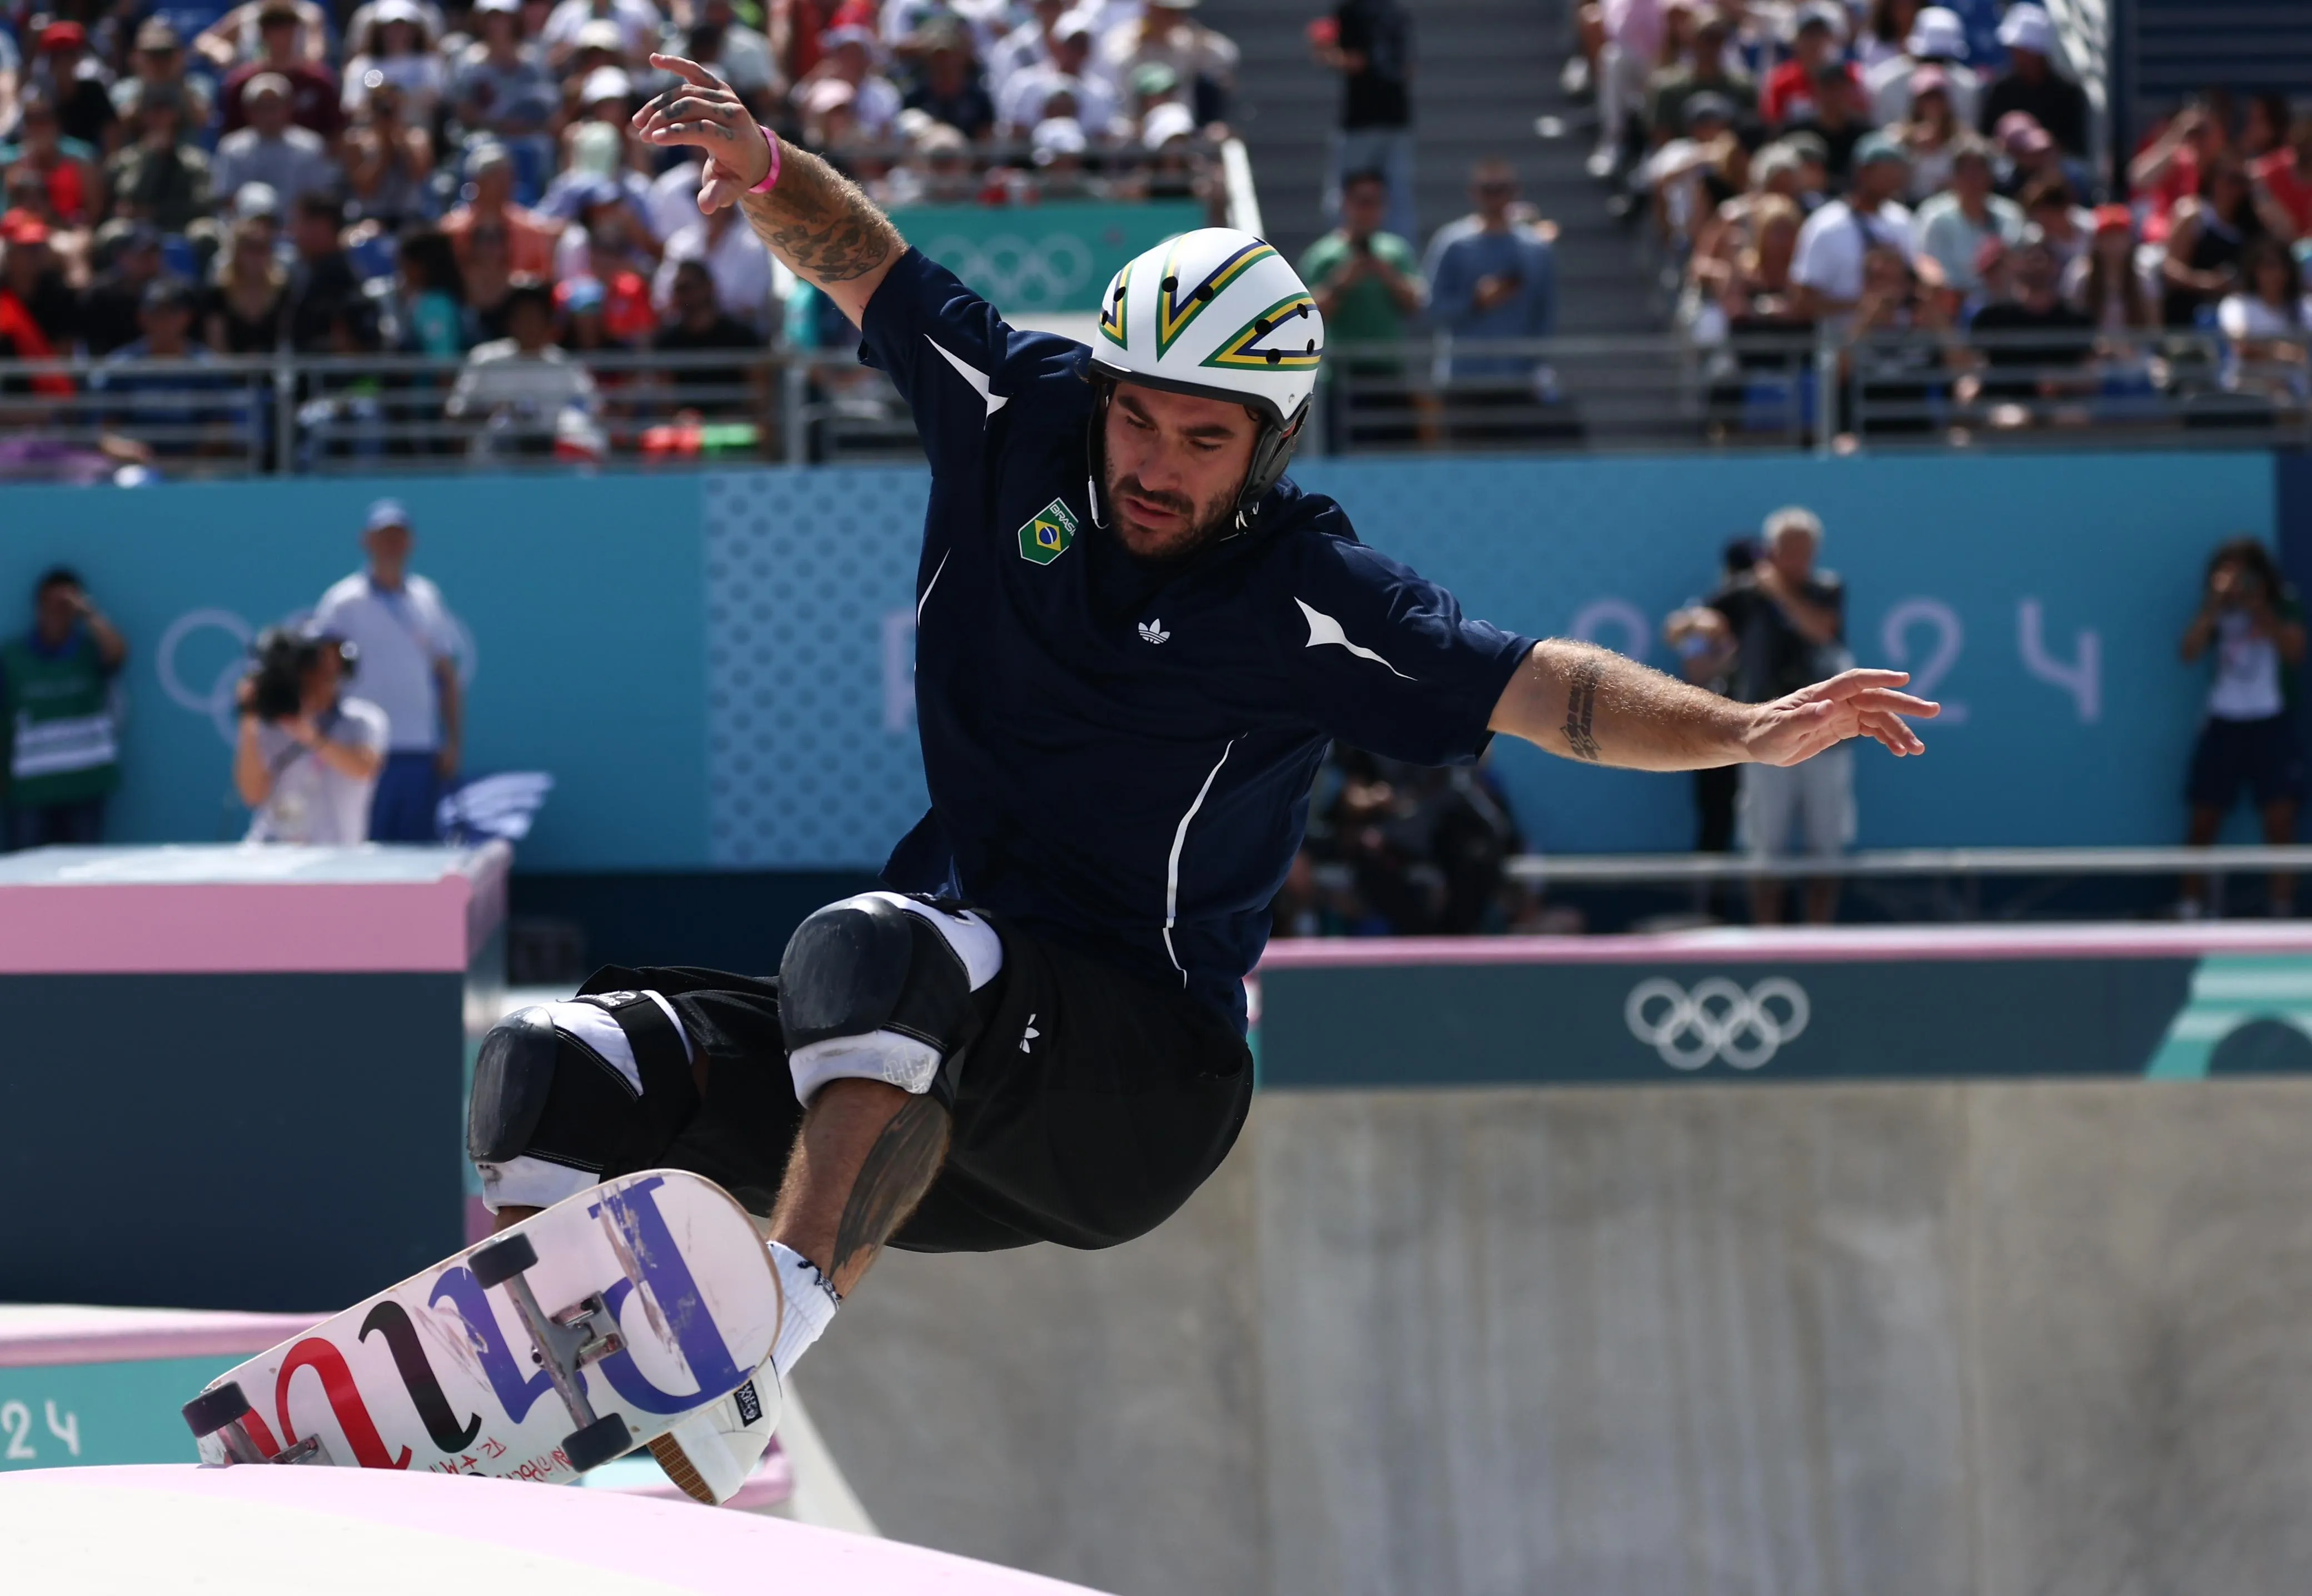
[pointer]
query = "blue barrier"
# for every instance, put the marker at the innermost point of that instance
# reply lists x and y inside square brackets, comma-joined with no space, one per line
[718,668]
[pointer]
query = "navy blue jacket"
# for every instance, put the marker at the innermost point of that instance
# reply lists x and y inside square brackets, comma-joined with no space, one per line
[1120,750]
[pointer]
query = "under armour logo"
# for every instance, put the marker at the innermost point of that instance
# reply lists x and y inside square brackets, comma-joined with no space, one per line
[1152,631]
[1029,1035]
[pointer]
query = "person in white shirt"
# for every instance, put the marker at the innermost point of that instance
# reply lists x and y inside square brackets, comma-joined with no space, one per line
[639,24]
[1938,38]
[2251,621]
[408,649]
[734,256]
[520,384]
[1027,45]
[309,776]
[1027,97]
[1827,275]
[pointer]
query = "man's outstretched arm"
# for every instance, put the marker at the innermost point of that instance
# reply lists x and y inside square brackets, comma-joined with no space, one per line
[1588,702]
[814,218]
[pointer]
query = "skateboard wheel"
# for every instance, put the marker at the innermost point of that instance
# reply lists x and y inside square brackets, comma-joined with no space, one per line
[500,1262]
[213,1410]
[598,1442]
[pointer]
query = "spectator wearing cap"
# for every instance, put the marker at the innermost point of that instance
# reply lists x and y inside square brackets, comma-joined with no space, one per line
[71,180]
[1056,150]
[175,413]
[695,323]
[1818,35]
[1169,33]
[951,92]
[161,176]
[1705,71]
[1027,96]
[527,239]
[2105,285]
[1828,273]
[520,384]
[1953,224]
[395,39]
[1937,40]
[1368,286]
[500,88]
[242,311]
[1369,43]
[272,149]
[32,274]
[734,259]
[75,84]
[637,20]
[408,645]
[2031,82]
[61,711]
[130,258]
[313,88]
[157,60]
[22,335]
[606,236]
[321,277]
[938,170]
[872,104]
[1492,275]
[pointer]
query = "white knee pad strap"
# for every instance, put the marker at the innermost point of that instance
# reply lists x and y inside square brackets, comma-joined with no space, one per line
[890,1057]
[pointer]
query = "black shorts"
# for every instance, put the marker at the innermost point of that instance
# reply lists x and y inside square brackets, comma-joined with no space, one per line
[2261,756]
[1091,1105]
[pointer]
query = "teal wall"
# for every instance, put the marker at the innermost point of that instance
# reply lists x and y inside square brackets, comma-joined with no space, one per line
[717,669]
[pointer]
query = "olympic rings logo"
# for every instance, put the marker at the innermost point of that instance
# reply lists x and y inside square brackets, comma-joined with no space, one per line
[1717,1020]
[1016,273]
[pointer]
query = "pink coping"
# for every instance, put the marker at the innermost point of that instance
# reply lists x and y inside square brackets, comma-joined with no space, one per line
[41,1336]
[1823,945]
[672,1543]
[225,927]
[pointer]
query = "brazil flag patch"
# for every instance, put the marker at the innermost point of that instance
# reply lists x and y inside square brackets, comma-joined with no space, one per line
[1046,537]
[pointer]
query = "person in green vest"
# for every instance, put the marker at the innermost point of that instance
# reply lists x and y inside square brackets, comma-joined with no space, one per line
[1367,286]
[62,716]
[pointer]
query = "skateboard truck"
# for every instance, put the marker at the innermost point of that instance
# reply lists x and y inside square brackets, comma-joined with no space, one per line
[220,1413]
[563,1343]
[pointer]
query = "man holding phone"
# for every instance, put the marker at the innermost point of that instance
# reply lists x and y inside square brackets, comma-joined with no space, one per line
[1367,287]
[1492,276]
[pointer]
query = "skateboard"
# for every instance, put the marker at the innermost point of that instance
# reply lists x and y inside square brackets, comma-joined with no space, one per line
[594,1327]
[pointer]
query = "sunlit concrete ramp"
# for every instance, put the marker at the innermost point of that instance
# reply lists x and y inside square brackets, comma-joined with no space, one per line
[138,1530]
[1902,1338]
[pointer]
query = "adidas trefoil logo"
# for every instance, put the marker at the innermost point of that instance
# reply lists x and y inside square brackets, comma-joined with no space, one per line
[1152,631]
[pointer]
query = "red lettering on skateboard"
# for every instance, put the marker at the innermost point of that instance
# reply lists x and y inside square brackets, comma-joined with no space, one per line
[345,1401]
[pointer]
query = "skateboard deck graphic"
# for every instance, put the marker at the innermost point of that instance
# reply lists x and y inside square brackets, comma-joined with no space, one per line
[561,1342]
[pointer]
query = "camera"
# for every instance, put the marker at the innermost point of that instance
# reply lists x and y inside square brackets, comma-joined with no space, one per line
[283,655]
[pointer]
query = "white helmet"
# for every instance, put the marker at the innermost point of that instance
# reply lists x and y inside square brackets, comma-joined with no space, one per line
[1220,314]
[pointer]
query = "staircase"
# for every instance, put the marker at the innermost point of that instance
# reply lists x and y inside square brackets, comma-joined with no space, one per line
[1486,70]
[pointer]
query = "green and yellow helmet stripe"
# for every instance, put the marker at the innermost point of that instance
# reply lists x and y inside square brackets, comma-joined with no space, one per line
[1111,314]
[1246,351]
[1175,309]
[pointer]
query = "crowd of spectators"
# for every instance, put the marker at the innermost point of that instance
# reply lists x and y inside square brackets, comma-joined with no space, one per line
[1933,198]
[460,179]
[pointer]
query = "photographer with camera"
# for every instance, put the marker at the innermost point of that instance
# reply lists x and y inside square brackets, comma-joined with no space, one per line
[2250,618]
[307,755]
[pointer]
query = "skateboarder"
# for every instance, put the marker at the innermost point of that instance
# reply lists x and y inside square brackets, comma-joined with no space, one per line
[1136,640]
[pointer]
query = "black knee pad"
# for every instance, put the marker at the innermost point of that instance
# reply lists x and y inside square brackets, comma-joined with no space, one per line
[866,965]
[541,1092]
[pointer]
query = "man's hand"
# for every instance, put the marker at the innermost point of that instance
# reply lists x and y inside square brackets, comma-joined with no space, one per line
[1495,291]
[302,729]
[705,114]
[1853,704]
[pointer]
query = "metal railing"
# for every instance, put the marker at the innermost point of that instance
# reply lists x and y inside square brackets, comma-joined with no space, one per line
[290,414]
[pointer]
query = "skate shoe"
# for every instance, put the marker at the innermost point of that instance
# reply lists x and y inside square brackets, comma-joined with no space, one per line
[709,1454]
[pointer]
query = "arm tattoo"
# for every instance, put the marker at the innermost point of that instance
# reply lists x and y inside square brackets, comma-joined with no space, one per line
[897,1170]
[818,222]
[1581,706]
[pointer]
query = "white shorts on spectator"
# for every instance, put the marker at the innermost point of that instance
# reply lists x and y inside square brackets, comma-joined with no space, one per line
[1812,802]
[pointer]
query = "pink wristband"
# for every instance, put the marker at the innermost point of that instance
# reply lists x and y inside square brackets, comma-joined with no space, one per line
[771,176]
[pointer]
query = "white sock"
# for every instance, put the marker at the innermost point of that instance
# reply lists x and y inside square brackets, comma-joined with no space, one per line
[809,1305]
